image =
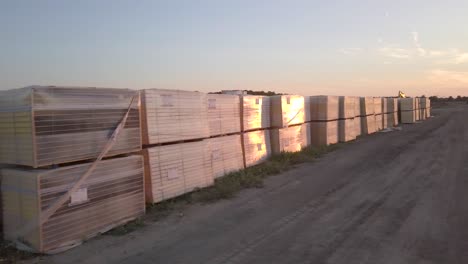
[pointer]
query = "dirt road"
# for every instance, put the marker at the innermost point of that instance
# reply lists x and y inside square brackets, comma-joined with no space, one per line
[389,198]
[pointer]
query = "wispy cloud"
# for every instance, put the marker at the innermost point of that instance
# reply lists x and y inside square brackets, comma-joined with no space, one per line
[395,52]
[444,76]
[448,56]
[350,51]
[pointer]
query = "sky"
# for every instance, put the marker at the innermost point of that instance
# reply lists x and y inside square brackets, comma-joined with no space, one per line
[367,48]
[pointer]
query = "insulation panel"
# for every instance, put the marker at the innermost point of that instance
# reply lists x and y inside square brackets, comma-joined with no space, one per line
[286,110]
[290,139]
[257,147]
[324,133]
[173,170]
[112,195]
[223,114]
[173,115]
[255,112]
[226,154]
[47,125]
[324,108]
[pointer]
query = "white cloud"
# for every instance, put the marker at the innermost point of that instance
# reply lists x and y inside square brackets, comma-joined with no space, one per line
[461,58]
[350,51]
[422,52]
[445,77]
[395,52]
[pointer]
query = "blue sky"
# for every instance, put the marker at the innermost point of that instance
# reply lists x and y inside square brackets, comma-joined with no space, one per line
[303,47]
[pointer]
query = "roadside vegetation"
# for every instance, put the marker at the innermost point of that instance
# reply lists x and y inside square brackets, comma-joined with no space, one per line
[227,186]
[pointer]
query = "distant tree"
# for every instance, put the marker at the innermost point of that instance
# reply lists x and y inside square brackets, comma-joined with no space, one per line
[459,98]
[450,99]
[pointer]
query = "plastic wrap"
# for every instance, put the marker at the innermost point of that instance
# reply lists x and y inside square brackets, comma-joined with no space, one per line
[290,139]
[324,108]
[286,110]
[257,147]
[324,133]
[346,130]
[173,170]
[111,196]
[226,154]
[223,114]
[347,107]
[173,115]
[46,125]
[255,112]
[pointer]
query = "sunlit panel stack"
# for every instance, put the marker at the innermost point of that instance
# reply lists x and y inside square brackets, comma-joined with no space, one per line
[346,123]
[378,111]
[173,116]
[287,110]
[176,169]
[406,109]
[426,106]
[417,114]
[357,116]
[257,147]
[54,132]
[255,112]
[226,154]
[42,126]
[368,124]
[390,106]
[290,139]
[223,114]
[324,111]
[112,195]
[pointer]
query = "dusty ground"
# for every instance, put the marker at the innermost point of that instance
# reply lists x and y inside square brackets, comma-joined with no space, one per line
[399,197]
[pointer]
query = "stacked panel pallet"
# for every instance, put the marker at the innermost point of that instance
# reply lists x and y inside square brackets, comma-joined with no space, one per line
[290,139]
[324,111]
[390,107]
[176,169]
[173,116]
[112,195]
[223,114]
[287,110]
[346,123]
[42,126]
[368,125]
[426,107]
[226,154]
[378,111]
[357,116]
[257,147]
[255,112]
[406,109]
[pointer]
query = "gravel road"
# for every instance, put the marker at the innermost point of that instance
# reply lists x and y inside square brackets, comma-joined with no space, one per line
[388,198]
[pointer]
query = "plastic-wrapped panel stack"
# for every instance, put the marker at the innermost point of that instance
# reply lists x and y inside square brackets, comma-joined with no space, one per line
[425,107]
[257,147]
[357,116]
[287,110]
[390,112]
[346,130]
[290,139]
[255,112]
[112,195]
[226,154]
[42,126]
[173,170]
[324,111]
[223,114]
[406,109]
[378,113]
[173,115]
[368,125]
